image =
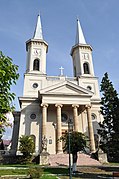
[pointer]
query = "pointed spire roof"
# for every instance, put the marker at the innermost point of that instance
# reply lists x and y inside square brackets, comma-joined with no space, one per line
[79,34]
[38,30]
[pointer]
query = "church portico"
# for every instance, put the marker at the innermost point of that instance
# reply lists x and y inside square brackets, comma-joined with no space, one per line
[58,121]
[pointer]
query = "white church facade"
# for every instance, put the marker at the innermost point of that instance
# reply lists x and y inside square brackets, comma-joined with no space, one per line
[48,102]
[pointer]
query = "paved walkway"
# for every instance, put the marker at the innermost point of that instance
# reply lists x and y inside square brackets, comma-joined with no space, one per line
[63,159]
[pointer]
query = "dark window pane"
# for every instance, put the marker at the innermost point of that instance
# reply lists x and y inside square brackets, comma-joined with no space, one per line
[86,68]
[36,64]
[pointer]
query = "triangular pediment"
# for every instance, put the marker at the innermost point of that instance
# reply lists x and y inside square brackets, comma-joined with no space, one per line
[66,88]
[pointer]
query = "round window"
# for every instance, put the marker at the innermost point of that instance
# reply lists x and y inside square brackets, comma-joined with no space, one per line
[35,85]
[33,116]
[93,117]
[64,117]
[89,87]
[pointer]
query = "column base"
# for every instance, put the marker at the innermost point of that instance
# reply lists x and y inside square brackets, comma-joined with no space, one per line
[59,152]
[44,158]
[92,151]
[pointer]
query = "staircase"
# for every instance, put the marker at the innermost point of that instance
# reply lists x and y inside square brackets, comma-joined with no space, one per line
[63,160]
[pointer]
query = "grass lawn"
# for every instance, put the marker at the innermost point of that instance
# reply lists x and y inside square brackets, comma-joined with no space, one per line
[83,172]
[13,172]
[48,177]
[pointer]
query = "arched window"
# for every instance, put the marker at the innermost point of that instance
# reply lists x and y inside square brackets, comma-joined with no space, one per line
[36,64]
[86,68]
[74,71]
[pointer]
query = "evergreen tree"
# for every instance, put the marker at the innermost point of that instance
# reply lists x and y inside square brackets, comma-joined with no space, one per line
[26,147]
[109,130]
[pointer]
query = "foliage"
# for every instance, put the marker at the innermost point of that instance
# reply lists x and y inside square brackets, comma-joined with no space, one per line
[8,76]
[26,147]
[1,145]
[109,130]
[77,142]
[35,172]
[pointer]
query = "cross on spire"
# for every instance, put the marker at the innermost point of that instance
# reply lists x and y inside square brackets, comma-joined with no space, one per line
[61,71]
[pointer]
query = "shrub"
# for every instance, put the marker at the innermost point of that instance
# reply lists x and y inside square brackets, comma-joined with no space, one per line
[27,148]
[35,172]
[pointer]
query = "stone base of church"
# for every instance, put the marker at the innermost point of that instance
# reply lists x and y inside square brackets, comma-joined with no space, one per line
[102,157]
[44,158]
[59,152]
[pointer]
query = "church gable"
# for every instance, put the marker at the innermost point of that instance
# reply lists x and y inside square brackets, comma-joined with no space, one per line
[66,88]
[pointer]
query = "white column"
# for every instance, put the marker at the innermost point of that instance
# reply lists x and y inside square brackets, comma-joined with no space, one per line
[90,129]
[82,119]
[44,119]
[75,116]
[58,129]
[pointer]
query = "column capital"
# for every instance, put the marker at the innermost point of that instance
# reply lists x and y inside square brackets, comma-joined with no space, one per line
[44,105]
[75,105]
[88,106]
[59,105]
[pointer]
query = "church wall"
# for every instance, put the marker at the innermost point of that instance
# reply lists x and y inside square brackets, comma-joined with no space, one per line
[29,81]
[30,121]
[93,83]
[77,63]
[15,132]
[80,123]
[84,123]
[98,116]
[51,137]
[42,81]
[35,130]
[22,124]
[89,60]
[51,129]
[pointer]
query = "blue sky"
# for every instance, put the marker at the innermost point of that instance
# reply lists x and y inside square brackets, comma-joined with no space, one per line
[99,20]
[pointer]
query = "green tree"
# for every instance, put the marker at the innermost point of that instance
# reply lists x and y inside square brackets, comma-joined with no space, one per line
[77,143]
[109,128]
[8,76]
[26,147]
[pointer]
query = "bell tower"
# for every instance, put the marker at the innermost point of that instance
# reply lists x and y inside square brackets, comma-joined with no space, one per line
[36,51]
[83,67]
[81,54]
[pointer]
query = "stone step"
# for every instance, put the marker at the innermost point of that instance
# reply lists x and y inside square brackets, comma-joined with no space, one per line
[63,160]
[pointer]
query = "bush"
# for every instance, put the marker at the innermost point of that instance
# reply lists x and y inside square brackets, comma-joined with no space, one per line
[27,148]
[35,172]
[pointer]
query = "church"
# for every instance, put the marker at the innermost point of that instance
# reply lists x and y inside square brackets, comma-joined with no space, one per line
[50,102]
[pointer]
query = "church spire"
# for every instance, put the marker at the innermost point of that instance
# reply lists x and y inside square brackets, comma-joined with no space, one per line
[38,30]
[79,34]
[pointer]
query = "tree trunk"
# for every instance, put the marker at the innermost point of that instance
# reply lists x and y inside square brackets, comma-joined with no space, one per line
[75,156]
